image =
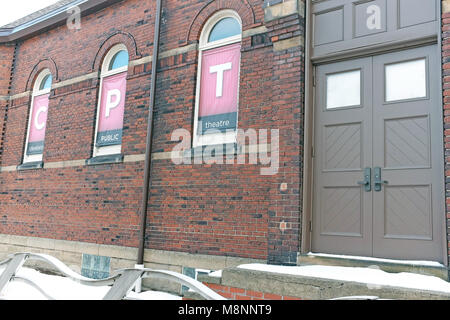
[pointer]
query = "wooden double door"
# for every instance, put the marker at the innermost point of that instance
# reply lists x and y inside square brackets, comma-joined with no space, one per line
[378,157]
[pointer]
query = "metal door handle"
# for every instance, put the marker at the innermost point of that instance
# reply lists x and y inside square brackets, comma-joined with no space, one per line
[377,180]
[367,183]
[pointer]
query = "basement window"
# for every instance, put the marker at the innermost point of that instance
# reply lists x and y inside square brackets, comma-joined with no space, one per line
[95,267]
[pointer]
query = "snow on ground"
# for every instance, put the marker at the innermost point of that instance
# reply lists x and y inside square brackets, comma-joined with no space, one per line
[370,276]
[216,274]
[62,288]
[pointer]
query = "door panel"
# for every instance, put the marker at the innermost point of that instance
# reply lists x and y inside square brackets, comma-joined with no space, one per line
[342,209]
[407,142]
[408,211]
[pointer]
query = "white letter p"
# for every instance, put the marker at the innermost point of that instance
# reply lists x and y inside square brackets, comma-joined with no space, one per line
[112,104]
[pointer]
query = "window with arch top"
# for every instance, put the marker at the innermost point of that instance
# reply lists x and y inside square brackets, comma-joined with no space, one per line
[217,95]
[37,123]
[111,102]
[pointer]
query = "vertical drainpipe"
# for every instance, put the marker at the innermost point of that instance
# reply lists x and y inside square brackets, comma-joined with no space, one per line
[148,152]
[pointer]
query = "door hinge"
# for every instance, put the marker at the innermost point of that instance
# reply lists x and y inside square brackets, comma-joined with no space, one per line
[310,226]
[313,155]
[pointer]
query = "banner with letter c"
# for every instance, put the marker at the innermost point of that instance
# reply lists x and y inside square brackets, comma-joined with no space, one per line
[38,124]
[112,107]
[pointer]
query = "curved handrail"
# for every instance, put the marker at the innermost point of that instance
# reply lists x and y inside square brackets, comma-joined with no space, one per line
[122,281]
[69,273]
[5,261]
[34,285]
[197,286]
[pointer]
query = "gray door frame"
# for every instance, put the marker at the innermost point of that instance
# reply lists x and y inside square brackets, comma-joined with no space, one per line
[308,149]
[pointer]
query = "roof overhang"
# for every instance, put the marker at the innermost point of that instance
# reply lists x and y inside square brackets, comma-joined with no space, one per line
[51,19]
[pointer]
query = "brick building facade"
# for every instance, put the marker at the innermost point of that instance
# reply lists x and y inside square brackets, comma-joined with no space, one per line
[199,215]
[218,210]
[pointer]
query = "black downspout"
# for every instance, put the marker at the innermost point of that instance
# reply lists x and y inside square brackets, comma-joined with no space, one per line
[148,152]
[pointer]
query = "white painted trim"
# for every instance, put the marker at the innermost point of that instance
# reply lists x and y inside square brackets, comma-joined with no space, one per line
[108,150]
[35,93]
[220,138]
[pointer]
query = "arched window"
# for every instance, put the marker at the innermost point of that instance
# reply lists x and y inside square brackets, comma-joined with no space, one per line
[111,104]
[216,107]
[37,123]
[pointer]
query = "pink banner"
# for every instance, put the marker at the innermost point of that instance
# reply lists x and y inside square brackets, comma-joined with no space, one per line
[39,118]
[220,80]
[112,107]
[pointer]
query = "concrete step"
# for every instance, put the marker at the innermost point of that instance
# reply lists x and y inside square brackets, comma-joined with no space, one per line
[393,266]
[310,288]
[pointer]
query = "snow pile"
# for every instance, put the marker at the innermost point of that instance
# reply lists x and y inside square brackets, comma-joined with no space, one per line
[62,288]
[216,274]
[370,276]
[409,262]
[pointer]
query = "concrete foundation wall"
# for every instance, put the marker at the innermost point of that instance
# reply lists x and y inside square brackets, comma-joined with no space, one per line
[71,253]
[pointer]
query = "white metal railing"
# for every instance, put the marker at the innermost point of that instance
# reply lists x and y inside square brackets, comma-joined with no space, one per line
[121,282]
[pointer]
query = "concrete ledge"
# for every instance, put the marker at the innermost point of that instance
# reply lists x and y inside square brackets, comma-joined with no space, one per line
[283,9]
[394,266]
[199,261]
[64,164]
[445,6]
[13,244]
[134,158]
[110,159]
[8,169]
[31,166]
[254,31]
[244,149]
[70,252]
[208,279]
[20,95]
[316,288]
[190,295]
[288,43]
[68,82]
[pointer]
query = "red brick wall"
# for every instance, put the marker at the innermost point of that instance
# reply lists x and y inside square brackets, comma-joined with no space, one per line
[288,81]
[209,209]
[6,67]
[6,60]
[244,294]
[446,100]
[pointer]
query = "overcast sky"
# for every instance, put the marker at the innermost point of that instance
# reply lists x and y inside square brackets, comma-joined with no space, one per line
[12,10]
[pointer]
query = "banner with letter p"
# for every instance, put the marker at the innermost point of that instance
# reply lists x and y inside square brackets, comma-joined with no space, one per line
[112,107]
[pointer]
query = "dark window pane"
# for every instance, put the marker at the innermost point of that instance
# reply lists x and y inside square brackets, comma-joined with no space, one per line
[225,28]
[119,60]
